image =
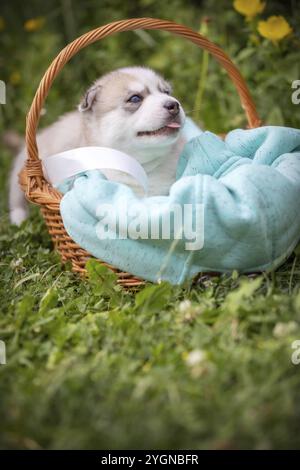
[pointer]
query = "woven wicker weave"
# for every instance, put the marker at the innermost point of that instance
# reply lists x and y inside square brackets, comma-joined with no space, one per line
[32,181]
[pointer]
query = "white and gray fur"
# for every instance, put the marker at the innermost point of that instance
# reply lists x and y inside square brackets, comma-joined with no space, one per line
[106,118]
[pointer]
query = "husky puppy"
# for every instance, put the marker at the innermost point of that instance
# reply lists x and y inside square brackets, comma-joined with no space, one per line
[130,109]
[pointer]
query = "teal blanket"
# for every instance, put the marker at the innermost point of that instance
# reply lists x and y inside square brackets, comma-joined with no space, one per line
[244,192]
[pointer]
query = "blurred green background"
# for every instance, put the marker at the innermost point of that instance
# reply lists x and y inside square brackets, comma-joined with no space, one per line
[33,32]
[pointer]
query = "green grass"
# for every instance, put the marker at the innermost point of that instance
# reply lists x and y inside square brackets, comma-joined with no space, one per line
[92,366]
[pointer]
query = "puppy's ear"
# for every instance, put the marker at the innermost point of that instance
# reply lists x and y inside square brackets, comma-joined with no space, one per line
[89,98]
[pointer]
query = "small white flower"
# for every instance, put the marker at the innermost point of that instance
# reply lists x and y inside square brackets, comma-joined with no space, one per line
[195,357]
[284,329]
[15,263]
[184,306]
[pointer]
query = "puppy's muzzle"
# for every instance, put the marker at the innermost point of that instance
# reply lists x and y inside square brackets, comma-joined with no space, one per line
[172,107]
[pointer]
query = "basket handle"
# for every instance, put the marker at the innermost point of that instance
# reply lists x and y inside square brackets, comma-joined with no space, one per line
[34,168]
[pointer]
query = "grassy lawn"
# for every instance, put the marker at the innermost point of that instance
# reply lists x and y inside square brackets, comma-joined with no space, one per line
[92,366]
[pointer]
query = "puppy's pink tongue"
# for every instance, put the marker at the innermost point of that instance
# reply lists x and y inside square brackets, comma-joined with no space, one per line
[174,125]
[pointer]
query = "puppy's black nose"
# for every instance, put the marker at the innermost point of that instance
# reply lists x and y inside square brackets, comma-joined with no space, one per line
[172,106]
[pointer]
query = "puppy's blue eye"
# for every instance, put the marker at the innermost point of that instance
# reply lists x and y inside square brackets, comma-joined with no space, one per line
[135,99]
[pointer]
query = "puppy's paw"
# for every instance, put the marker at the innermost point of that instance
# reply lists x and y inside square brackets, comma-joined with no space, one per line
[18,215]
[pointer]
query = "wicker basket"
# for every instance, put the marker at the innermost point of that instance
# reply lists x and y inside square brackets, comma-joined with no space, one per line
[32,181]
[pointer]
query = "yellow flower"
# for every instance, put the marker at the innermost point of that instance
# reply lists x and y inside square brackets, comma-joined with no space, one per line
[249,8]
[2,23]
[275,28]
[15,78]
[34,24]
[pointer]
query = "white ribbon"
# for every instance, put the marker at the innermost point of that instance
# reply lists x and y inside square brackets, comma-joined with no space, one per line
[64,165]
